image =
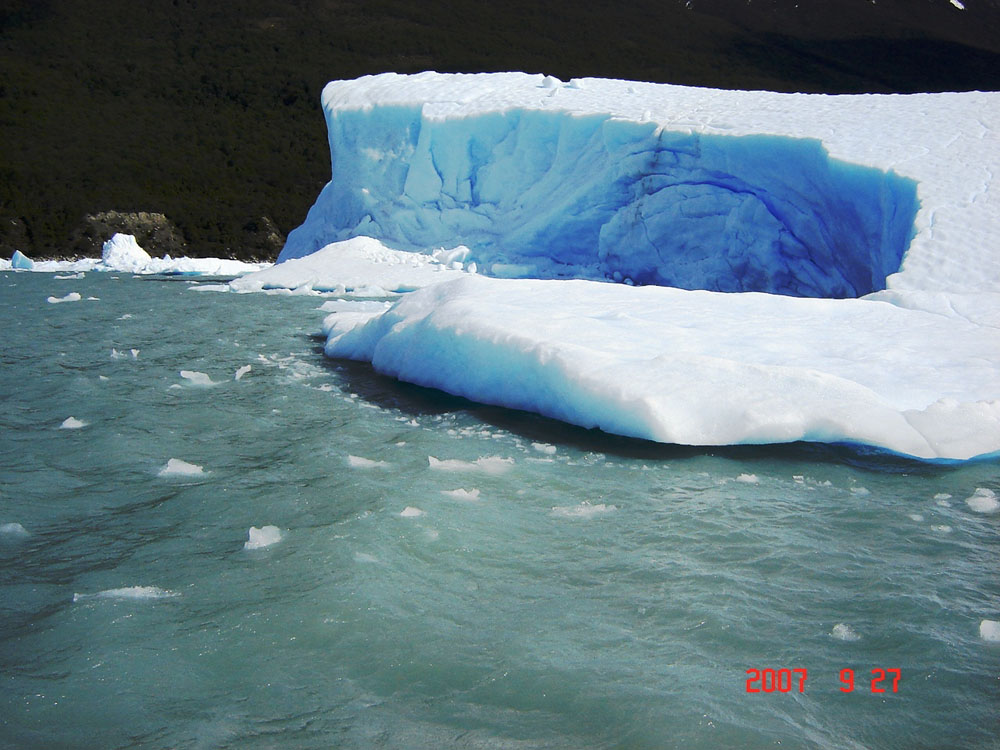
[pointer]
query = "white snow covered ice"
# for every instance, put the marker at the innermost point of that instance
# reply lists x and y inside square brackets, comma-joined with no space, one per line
[123,254]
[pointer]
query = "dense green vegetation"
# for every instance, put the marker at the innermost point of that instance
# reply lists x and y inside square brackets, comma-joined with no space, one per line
[209,112]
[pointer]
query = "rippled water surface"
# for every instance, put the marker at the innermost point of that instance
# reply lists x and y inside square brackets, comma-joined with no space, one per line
[448,575]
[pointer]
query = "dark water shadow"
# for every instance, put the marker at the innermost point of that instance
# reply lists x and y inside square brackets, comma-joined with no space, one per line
[419,401]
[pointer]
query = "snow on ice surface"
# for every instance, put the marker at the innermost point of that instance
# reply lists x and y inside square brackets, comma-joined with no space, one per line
[804,195]
[360,265]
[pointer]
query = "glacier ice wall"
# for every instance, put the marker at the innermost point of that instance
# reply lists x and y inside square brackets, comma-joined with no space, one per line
[557,194]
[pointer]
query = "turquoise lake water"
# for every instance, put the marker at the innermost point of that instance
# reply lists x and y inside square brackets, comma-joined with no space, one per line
[448,575]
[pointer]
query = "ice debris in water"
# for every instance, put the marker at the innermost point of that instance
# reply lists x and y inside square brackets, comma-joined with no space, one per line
[242,371]
[265,536]
[748,479]
[359,462]
[583,510]
[197,378]
[545,448]
[843,632]
[72,423]
[983,500]
[989,630]
[462,494]
[71,297]
[14,529]
[486,464]
[176,467]
[129,592]
[410,512]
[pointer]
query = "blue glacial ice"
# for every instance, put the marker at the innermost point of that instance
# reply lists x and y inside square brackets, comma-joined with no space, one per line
[554,194]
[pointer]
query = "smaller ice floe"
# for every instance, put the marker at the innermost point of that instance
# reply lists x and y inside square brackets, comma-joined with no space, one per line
[13,529]
[21,262]
[241,372]
[461,494]
[916,517]
[72,423]
[583,510]
[989,630]
[129,592]
[545,448]
[175,467]
[983,500]
[485,464]
[265,536]
[844,632]
[359,462]
[410,512]
[197,378]
[71,297]
[942,496]
[748,479]
[941,528]
[860,491]
[958,4]
[71,276]
[361,266]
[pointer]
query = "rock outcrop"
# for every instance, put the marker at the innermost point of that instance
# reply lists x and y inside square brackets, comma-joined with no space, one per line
[153,231]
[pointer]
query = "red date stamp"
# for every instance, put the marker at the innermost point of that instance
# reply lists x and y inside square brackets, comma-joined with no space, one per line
[789,680]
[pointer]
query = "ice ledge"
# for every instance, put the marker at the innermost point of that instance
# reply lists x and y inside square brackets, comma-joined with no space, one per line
[694,368]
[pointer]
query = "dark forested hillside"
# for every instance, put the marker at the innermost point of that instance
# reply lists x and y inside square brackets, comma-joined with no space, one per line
[208,112]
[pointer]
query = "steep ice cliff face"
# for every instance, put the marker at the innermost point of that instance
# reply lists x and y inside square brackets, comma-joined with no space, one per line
[558,193]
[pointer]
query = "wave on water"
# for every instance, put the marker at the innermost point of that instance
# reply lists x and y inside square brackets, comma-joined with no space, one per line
[129,592]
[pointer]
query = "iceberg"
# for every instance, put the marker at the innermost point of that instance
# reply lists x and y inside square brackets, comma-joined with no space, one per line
[795,267]
[21,262]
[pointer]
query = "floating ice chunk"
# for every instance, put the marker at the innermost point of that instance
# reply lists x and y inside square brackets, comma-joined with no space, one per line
[71,297]
[20,261]
[242,371]
[358,462]
[583,510]
[942,496]
[134,353]
[122,253]
[485,464]
[544,448]
[941,528]
[197,378]
[71,277]
[129,592]
[410,512]
[14,529]
[175,467]
[844,632]
[916,516]
[983,500]
[462,494]
[989,630]
[860,491]
[958,4]
[748,479]
[265,536]
[72,423]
